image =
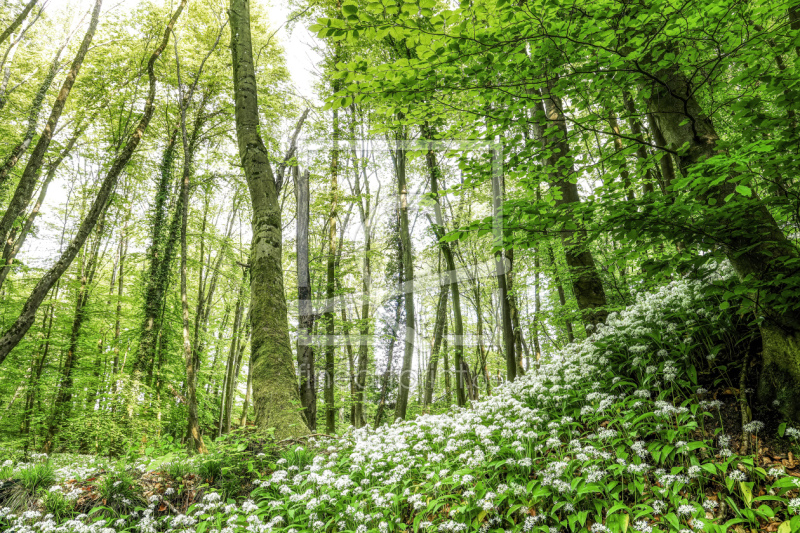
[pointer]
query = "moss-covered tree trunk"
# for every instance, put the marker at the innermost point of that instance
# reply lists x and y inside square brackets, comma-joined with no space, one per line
[754,243]
[275,396]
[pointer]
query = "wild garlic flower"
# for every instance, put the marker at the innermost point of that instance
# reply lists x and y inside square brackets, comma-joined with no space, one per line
[753,426]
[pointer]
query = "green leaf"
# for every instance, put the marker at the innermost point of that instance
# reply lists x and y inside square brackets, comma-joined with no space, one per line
[785,527]
[744,190]
[782,429]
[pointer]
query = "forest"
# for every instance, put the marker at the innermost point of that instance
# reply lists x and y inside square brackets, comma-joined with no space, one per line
[399,265]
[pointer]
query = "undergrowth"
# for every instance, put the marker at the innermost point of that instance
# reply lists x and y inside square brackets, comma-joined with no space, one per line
[629,431]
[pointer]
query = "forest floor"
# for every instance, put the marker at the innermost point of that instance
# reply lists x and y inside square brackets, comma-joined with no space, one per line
[636,429]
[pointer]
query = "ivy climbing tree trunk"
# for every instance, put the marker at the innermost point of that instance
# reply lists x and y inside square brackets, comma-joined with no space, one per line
[275,395]
[756,247]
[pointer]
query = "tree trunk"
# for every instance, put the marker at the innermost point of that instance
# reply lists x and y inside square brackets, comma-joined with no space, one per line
[502,265]
[305,308]
[194,439]
[275,392]
[641,150]
[33,118]
[161,254]
[330,287]
[586,283]
[455,292]
[562,299]
[228,381]
[665,162]
[388,372]
[30,176]
[754,244]
[438,334]
[408,285]
[15,333]
[63,396]
[17,21]
[513,309]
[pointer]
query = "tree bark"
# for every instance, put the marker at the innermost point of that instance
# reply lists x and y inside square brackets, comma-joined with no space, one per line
[330,287]
[641,150]
[586,283]
[305,309]
[455,292]
[160,254]
[438,334]
[275,391]
[502,265]
[408,285]
[63,396]
[17,21]
[33,118]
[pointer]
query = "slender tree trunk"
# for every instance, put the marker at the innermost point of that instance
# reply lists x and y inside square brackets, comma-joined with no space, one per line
[275,391]
[14,334]
[438,334]
[408,285]
[305,349]
[30,176]
[61,409]
[123,252]
[513,309]
[503,265]
[562,299]
[388,372]
[194,439]
[366,214]
[33,118]
[227,383]
[17,21]
[439,231]
[330,288]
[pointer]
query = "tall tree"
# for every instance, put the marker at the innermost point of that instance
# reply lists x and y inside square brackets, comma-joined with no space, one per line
[275,394]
